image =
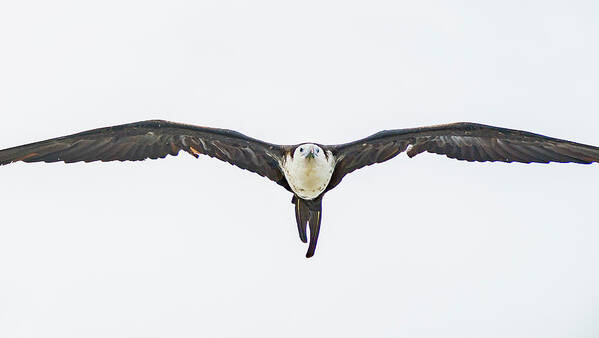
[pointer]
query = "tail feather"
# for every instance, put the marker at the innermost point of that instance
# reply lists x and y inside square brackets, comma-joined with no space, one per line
[302,214]
[308,213]
[315,217]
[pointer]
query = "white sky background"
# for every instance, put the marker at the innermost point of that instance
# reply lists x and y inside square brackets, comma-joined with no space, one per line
[427,247]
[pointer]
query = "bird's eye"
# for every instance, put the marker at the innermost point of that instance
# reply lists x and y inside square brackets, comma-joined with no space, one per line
[301,150]
[317,150]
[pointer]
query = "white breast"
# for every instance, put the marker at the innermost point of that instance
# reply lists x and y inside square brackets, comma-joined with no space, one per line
[308,177]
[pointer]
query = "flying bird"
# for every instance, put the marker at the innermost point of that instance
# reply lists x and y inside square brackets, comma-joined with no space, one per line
[307,170]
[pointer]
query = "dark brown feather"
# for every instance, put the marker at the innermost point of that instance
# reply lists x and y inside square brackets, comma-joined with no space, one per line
[155,139]
[462,141]
[302,215]
[308,213]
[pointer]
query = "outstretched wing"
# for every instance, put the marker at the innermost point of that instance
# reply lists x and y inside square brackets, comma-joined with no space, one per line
[155,139]
[462,141]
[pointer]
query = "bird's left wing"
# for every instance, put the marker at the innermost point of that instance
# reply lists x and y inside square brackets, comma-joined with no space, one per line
[462,141]
[155,139]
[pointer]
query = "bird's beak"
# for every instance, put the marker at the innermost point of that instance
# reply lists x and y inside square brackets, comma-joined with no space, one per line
[311,154]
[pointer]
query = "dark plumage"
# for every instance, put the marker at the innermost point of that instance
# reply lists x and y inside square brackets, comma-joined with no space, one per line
[157,139]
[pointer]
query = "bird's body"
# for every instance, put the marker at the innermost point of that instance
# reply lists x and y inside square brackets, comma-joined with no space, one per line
[307,170]
[308,175]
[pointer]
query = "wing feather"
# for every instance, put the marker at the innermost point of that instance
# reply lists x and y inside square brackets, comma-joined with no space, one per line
[462,141]
[155,139]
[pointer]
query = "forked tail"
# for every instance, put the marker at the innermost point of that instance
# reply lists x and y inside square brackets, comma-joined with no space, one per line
[308,212]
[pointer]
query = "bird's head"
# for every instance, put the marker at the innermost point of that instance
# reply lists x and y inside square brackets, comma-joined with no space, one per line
[308,151]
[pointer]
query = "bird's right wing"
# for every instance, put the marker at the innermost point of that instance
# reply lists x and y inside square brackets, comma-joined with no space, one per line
[155,139]
[462,141]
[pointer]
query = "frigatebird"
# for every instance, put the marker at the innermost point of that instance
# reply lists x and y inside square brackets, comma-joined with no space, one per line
[307,170]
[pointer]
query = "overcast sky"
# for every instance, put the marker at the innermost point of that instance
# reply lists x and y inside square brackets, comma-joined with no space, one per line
[422,247]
